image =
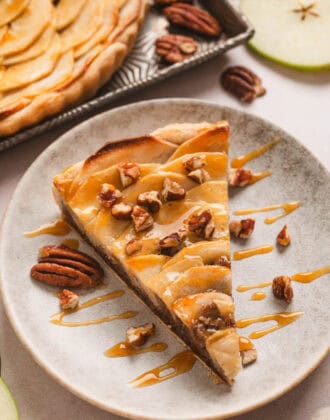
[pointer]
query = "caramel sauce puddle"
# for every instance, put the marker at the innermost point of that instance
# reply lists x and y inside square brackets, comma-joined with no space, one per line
[179,364]
[58,228]
[258,296]
[124,349]
[282,319]
[246,253]
[57,319]
[287,209]
[245,343]
[239,161]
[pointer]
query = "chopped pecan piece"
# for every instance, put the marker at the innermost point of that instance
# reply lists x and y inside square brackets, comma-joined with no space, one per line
[202,224]
[283,238]
[223,261]
[133,246]
[172,190]
[282,288]
[242,83]
[193,163]
[62,266]
[199,175]
[151,200]
[109,195]
[122,211]
[239,177]
[242,228]
[175,48]
[210,320]
[129,173]
[68,299]
[248,356]
[193,18]
[137,336]
[170,245]
[142,219]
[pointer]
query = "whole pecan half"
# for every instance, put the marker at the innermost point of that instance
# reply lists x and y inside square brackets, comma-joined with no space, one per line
[193,18]
[61,266]
[175,48]
[243,83]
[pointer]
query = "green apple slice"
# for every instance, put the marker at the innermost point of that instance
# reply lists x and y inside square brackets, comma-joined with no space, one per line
[8,408]
[295,33]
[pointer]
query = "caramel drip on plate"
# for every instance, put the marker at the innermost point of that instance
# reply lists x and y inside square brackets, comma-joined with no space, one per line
[310,276]
[71,243]
[246,253]
[180,363]
[260,175]
[239,161]
[282,319]
[245,344]
[258,296]
[58,318]
[57,228]
[287,209]
[124,349]
[246,287]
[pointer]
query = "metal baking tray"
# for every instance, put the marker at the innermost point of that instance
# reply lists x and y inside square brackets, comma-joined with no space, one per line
[143,68]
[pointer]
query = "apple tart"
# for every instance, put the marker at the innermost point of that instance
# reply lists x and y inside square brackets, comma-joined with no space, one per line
[156,209]
[54,54]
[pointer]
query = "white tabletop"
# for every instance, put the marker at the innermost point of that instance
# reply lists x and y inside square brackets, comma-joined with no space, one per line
[299,103]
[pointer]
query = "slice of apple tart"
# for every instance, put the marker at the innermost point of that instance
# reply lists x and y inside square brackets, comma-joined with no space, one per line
[54,54]
[156,209]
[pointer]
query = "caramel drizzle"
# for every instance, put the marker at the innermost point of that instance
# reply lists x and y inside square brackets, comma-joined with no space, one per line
[71,243]
[260,175]
[306,277]
[282,318]
[246,287]
[124,349]
[246,253]
[58,318]
[310,276]
[258,296]
[57,228]
[245,343]
[179,364]
[239,161]
[287,209]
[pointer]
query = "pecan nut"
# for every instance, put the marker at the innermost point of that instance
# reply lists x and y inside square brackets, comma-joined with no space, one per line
[175,48]
[243,83]
[283,238]
[193,18]
[193,163]
[142,219]
[62,266]
[282,288]
[170,245]
[248,356]
[199,175]
[108,195]
[137,336]
[242,228]
[239,177]
[223,261]
[122,211]
[129,173]
[202,224]
[172,190]
[151,200]
[68,299]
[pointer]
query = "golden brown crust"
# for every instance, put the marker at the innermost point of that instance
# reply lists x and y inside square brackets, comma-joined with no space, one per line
[98,73]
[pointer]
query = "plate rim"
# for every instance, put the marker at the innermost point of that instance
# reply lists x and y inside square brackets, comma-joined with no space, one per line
[25,342]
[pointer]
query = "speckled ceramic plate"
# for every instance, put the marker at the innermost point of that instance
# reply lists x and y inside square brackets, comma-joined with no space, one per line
[74,356]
